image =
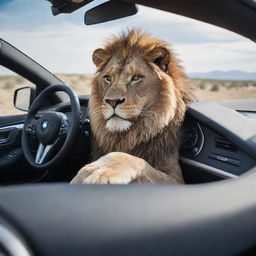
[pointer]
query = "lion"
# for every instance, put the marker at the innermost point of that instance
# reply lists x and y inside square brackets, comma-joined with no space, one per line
[139,97]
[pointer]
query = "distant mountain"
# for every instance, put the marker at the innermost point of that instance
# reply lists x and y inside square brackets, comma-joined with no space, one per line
[222,75]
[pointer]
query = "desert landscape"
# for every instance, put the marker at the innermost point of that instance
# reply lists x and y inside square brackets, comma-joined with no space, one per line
[205,89]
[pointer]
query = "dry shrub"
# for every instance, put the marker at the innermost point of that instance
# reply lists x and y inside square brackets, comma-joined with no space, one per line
[8,85]
[215,88]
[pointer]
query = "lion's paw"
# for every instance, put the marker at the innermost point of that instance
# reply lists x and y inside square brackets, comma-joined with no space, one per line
[113,168]
[109,176]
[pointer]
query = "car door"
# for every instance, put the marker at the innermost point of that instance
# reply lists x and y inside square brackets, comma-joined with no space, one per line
[15,67]
[13,167]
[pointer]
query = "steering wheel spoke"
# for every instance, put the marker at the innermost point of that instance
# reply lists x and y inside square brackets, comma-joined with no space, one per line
[42,152]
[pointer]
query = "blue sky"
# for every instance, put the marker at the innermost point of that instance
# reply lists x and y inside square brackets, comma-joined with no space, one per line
[63,44]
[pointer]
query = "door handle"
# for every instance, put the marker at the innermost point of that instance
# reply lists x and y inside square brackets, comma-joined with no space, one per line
[4,136]
[8,136]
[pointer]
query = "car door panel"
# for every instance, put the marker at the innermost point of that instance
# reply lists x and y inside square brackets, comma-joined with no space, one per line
[11,120]
[10,144]
[14,168]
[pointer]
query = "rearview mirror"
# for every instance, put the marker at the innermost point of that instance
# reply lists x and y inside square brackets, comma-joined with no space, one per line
[23,97]
[108,11]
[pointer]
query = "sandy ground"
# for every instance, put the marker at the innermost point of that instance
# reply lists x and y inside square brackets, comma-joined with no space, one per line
[205,89]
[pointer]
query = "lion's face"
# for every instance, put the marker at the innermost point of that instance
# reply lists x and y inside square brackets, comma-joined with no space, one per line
[138,89]
[128,91]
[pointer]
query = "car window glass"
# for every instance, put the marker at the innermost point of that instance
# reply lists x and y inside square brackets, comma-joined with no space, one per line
[9,82]
[220,63]
[81,83]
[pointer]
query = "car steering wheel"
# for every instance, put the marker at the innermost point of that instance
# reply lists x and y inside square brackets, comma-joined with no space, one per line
[50,128]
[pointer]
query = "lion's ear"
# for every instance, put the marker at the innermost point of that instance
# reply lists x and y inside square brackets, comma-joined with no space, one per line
[160,56]
[100,57]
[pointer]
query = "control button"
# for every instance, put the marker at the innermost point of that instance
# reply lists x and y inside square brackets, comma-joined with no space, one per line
[29,128]
[195,150]
[86,133]
[225,159]
[33,129]
[86,121]
[63,127]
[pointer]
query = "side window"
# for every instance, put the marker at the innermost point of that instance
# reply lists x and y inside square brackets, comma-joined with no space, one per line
[81,83]
[9,82]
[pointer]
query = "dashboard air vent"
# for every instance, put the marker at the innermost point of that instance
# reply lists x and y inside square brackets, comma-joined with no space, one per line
[225,144]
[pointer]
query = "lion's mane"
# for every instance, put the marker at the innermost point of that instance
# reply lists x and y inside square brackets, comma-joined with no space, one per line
[151,137]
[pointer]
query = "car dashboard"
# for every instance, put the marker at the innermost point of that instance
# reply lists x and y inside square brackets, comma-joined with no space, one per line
[211,153]
[211,149]
[206,154]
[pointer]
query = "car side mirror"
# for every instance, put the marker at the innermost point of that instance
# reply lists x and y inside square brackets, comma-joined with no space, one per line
[23,98]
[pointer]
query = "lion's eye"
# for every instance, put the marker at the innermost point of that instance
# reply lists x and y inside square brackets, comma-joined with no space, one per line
[136,78]
[108,79]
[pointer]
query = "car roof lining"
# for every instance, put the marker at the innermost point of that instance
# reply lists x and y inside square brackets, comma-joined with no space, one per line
[233,15]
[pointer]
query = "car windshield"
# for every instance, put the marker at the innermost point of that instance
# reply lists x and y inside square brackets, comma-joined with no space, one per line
[219,63]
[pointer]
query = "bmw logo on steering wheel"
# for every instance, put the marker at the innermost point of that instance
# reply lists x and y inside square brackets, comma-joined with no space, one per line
[44,125]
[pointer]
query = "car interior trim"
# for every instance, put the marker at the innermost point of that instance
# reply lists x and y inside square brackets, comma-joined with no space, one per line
[202,139]
[210,12]
[23,65]
[18,126]
[11,242]
[12,120]
[42,152]
[232,127]
[207,168]
[240,104]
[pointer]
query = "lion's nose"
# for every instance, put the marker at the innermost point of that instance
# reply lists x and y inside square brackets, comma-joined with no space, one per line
[115,102]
